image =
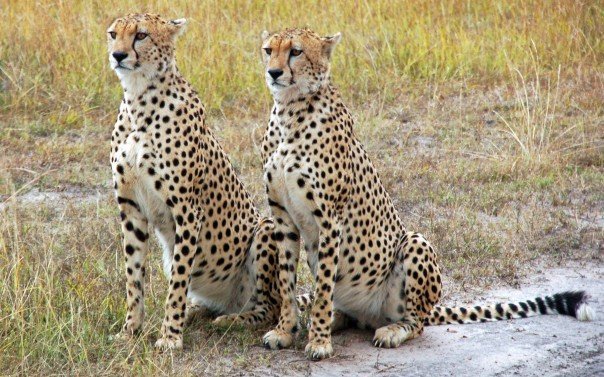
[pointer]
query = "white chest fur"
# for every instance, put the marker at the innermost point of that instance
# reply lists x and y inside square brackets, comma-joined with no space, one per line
[134,157]
[285,173]
[130,153]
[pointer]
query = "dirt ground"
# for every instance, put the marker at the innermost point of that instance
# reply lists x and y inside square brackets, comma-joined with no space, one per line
[538,346]
[545,345]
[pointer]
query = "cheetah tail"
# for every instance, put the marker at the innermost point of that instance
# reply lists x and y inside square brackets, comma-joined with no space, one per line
[565,303]
[304,301]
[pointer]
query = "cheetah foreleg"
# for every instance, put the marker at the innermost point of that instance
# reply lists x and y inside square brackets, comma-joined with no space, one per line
[135,246]
[182,260]
[319,345]
[287,238]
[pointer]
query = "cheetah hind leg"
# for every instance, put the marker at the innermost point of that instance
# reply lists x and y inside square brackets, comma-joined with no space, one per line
[340,320]
[250,318]
[196,313]
[304,301]
[263,254]
[420,291]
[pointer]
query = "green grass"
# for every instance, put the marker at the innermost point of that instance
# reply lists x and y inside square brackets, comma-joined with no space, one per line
[484,121]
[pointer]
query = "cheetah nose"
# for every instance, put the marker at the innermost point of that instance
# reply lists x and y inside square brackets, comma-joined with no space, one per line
[275,73]
[119,56]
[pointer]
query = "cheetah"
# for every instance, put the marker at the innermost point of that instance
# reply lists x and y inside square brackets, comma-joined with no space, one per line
[170,173]
[323,189]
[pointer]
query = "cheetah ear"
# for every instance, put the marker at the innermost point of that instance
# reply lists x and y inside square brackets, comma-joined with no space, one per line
[179,26]
[265,34]
[329,43]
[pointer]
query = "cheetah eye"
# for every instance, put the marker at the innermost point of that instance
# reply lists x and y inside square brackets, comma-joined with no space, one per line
[268,50]
[112,34]
[295,52]
[140,36]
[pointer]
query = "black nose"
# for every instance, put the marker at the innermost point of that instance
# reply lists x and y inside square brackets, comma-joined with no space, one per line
[275,73]
[119,56]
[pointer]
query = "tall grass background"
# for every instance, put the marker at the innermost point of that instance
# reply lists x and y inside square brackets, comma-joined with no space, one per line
[52,53]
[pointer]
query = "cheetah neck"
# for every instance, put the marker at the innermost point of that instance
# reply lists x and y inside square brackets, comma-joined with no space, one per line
[308,110]
[162,87]
[136,84]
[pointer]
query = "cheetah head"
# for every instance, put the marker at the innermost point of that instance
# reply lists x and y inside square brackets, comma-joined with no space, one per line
[142,45]
[296,61]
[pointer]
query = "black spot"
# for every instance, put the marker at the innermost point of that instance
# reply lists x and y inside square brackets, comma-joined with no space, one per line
[140,235]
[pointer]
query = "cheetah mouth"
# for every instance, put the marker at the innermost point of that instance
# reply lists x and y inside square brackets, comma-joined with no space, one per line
[119,66]
[278,84]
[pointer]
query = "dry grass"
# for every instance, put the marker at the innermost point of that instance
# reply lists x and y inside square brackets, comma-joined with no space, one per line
[384,41]
[485,122]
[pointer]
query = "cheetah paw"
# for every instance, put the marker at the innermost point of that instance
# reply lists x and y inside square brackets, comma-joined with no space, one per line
[129,331]
[318,350]
[164,343]
[389,337]
[227,320]
[277,339]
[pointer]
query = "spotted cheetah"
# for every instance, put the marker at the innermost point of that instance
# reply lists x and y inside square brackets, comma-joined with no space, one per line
[322,187]
[170,172]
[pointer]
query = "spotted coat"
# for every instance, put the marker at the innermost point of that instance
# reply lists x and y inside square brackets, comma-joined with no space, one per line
[322,188]
[171,174]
